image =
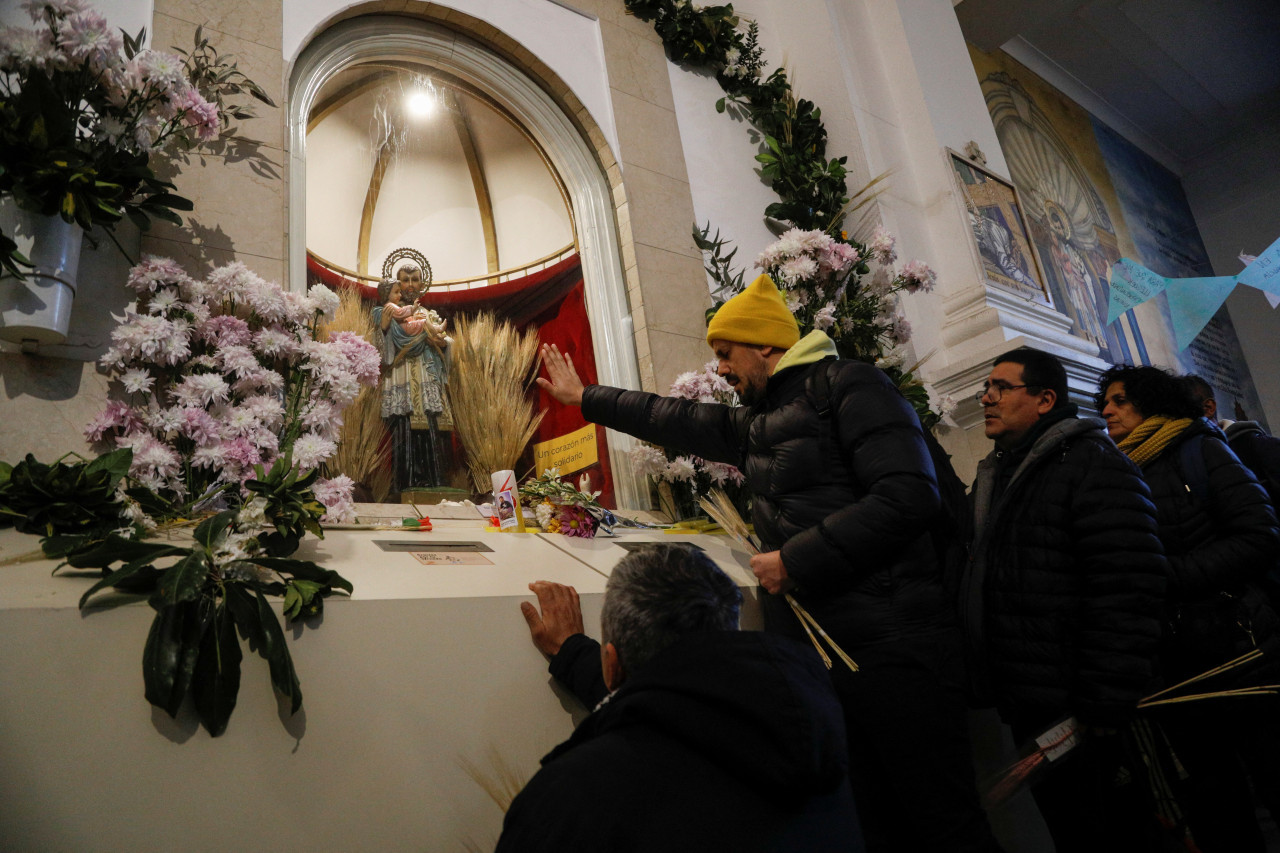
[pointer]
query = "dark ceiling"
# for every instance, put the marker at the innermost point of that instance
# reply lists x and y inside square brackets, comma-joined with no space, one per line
[1188,74]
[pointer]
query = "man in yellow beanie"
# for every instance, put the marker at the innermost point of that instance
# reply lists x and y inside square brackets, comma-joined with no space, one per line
[845,497]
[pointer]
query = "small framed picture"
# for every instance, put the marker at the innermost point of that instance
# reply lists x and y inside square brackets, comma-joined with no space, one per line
[999,229]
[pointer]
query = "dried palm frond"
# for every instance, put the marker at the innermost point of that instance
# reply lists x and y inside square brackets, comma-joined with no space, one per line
[364,447]
[723,512]
[493,365]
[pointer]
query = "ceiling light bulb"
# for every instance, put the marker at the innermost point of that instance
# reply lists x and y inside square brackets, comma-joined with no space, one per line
[421,104]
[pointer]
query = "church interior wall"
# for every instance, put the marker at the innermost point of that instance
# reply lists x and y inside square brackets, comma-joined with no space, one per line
[1234,191]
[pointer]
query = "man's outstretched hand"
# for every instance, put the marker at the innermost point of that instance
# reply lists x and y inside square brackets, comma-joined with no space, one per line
[560,619]
[562,380]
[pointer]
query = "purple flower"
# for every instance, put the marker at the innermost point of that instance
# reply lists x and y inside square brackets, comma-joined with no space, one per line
[576,521]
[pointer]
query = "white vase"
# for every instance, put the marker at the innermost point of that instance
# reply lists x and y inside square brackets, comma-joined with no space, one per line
[35,312]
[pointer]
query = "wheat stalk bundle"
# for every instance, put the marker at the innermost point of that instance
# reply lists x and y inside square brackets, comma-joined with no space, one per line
[723,512]
[1154,699]
[364,446]
[1014,777]
[493,365]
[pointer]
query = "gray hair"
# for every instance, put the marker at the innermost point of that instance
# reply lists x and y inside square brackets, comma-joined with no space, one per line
[657,594]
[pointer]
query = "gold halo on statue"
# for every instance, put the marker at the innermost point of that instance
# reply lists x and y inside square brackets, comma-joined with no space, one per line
[388,266]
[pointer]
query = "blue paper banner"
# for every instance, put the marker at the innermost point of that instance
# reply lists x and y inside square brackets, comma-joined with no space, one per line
[1264,272]
[1193,302]
[1131,284]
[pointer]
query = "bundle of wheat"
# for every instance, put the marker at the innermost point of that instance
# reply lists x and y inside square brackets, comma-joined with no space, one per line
[364,446]
[493,366]
[723,512]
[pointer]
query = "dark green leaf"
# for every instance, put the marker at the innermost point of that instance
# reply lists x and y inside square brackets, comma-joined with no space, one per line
[169,657]
[119,577]
[274,649]
[216,680]
[305,570]
[213,530]
[182,582]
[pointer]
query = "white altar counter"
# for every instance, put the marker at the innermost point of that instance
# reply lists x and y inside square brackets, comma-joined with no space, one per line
[424,671]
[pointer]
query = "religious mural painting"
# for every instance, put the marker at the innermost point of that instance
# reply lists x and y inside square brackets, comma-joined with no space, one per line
[999,229]
[1090,198]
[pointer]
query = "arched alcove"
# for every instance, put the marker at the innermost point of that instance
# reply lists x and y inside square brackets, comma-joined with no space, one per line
[390,39]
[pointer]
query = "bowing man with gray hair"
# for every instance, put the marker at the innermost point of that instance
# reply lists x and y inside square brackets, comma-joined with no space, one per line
[711,739]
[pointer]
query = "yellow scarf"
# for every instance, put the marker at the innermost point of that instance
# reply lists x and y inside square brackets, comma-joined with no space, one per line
[1149,438]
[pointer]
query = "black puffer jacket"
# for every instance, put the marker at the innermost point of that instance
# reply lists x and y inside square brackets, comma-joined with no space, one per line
[851,519]
[1221,538]
[1061,603]
[724,741]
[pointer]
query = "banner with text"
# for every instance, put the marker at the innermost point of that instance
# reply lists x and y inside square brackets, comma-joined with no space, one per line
[567,453]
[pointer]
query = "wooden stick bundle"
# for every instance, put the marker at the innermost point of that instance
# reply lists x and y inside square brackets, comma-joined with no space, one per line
[724,513]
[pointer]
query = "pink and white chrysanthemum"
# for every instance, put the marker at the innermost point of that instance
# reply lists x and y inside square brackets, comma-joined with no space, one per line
[918,277]
[825,317]
[224,330]
[238,359]
[201,389]
[323,300]
[881,246]
[648,460]
[274,342]
[336,494]
[199,426]
[267,409]
[309,450]
[117,415]
[137,381]
[361,356]
[155,272]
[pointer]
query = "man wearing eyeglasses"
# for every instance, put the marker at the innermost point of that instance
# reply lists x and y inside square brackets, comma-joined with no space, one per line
[1060,604]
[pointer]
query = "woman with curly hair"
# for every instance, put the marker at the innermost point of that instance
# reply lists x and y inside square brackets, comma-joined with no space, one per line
[1220,536]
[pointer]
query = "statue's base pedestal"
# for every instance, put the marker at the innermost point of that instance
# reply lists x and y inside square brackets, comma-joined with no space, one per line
[433,495]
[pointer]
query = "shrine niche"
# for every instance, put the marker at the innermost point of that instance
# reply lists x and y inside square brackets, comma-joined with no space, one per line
[429,196]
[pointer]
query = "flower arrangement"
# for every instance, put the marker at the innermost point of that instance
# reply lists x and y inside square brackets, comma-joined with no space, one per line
[220,376]
[84,108]
[228,406]
[847,289]
[682,480]
[561,508]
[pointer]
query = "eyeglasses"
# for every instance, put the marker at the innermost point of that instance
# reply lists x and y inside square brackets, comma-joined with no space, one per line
[996,390]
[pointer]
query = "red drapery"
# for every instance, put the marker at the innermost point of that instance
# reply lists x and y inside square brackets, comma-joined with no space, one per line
[554,300]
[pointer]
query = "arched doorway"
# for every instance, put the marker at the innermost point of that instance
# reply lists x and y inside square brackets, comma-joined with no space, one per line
[386,43]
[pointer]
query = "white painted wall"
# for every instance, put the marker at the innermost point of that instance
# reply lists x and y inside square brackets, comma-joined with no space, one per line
[529,214]
[336,190]
[429,203]
[566,40]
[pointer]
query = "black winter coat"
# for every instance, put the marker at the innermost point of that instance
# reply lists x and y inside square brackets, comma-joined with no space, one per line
[724,741]
[851,517]
[1221,538]
[1258,452]
[1061,603]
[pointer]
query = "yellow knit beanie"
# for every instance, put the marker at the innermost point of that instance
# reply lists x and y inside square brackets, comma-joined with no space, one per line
[758,315]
